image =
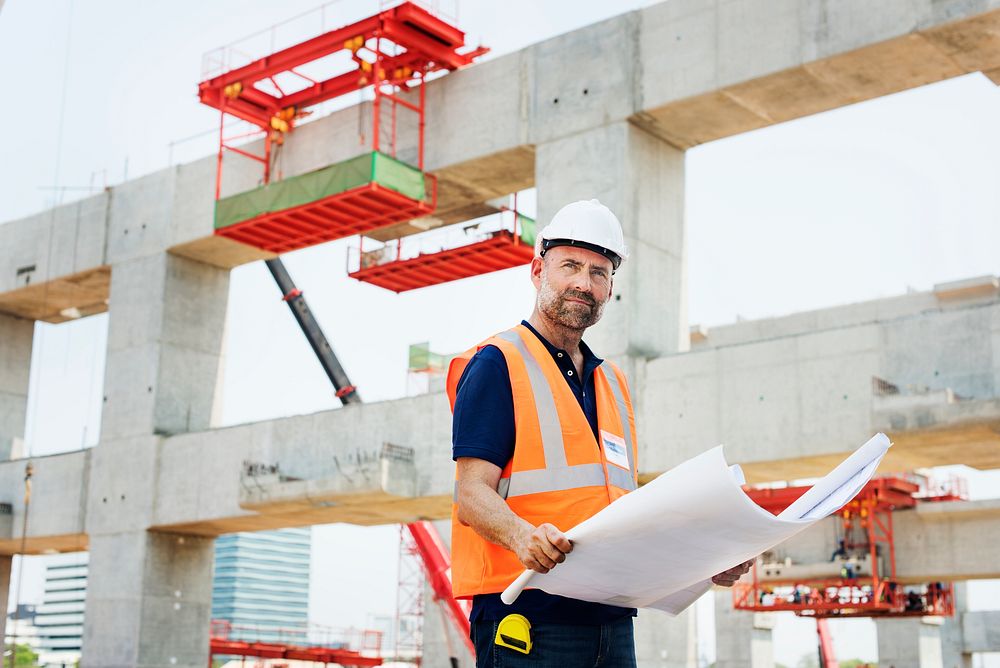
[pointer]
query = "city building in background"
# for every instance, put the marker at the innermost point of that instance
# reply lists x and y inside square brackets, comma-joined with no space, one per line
[261,583]
[59,619]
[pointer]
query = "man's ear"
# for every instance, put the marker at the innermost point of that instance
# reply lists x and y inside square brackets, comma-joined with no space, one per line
[536,271]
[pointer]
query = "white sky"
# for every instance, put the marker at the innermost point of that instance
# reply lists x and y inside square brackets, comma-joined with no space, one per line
[862,202]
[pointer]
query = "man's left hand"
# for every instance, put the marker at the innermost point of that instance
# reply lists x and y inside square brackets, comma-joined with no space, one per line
[729,578]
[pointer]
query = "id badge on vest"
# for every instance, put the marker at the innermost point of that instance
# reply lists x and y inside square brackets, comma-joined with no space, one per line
[615,450]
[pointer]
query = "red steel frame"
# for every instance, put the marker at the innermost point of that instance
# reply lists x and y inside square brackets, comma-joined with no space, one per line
[355,211]
[392,51]
[876,595]
[222,645]
[503,250]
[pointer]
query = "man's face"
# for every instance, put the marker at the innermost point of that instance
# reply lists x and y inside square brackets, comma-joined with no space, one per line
[573,285]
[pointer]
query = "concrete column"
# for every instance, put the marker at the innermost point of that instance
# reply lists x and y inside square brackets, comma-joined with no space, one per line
[149,600]
[909,642]
[742,639]
[165,333]
[16,335]
[5,564]
[662,641]
[953,654]
[641,179]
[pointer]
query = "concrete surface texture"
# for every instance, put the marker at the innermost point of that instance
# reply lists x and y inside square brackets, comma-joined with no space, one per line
[790,396]
[914,641]
[742,638]
[15,363]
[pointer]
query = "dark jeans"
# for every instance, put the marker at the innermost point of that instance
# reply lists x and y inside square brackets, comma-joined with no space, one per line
[560,646]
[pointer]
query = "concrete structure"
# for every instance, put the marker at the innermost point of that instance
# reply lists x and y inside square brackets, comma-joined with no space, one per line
[788,396]
[742,639]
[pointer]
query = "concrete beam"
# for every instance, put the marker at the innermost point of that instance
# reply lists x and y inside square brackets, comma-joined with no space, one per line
[791,396]
[16,336]
[56,518]
[333,465]
[716,70]
[55,261]
[688,72]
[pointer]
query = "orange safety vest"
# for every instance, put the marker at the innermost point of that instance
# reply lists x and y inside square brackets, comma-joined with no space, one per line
[559,473]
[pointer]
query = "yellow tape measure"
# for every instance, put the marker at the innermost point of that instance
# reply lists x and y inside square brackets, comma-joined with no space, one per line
[514,632]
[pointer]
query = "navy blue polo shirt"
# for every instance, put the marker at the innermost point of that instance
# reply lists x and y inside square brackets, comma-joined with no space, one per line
[483,427]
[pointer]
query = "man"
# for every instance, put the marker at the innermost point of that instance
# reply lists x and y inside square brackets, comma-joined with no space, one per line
[544,437]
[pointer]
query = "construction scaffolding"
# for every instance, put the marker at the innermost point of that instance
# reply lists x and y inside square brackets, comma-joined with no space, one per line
[392,53]
[859,580]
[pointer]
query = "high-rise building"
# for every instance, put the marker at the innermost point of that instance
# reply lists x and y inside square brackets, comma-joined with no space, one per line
[261,587]
[59,619]
[261,583]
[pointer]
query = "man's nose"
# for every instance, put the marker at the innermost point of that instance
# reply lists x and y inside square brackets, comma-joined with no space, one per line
[582,282]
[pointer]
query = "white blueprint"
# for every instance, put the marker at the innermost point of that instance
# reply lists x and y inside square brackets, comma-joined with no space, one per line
[658,547]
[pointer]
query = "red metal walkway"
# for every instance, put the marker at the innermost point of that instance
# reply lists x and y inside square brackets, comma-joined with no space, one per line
[222,645]
[342,215]
[501,251]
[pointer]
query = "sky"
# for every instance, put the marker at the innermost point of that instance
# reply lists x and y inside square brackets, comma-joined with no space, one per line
[867,201]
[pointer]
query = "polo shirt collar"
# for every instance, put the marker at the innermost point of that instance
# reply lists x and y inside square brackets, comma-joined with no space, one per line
[590,360]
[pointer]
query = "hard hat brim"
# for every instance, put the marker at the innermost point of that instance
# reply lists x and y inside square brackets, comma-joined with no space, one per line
[616,259]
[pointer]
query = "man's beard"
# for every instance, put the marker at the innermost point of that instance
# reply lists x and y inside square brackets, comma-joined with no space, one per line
[571,315]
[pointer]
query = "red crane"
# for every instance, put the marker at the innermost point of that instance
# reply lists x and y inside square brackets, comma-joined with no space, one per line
[436,560]
[827,658]
[393,52]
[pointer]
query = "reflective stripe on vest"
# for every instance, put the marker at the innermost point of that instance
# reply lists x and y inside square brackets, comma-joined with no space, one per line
[616,389]
[545,405]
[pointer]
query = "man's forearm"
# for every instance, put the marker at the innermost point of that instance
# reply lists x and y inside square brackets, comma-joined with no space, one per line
[482,509]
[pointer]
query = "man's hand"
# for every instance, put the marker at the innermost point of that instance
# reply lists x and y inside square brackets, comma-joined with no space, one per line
[729,578]
[542,547]
[480,507]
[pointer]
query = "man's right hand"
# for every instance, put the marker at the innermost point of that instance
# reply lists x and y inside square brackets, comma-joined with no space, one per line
[542,547]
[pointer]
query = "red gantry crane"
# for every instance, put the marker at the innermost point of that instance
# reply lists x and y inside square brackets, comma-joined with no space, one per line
[859,580]
[392,52]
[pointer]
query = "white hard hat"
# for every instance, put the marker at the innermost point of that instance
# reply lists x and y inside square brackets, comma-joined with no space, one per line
[585,224]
